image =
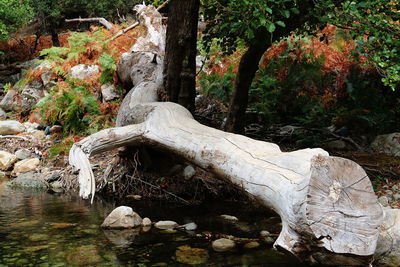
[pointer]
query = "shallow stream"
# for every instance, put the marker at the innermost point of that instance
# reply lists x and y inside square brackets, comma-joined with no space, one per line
[43,229]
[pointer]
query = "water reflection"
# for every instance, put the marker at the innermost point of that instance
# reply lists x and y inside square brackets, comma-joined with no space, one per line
[42,229]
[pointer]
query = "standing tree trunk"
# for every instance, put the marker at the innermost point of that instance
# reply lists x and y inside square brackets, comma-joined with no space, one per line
[180,59]
[248,66]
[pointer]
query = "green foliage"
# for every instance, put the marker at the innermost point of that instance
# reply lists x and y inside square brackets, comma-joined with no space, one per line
[62,147]
[293,96]
[53,13]
[374,24]
[108,68]
[7,87]
[55,54]
[74,107]
[13,13]
[217,86]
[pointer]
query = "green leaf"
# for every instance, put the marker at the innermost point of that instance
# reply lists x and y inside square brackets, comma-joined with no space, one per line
[286,13]
[271,27]
[295,10]
[281,23]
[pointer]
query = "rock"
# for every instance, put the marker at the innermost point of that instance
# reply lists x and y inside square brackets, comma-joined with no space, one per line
[189,172]
[2,176]
[62,225]
[3,114]
[165,225]
[189,226]
[55,129]
[122,217]
[23,153]
[56,185]
[38,237]
[169,231]
[269,240]
[146,222]
[388,144]
[43,65]
[387,252]
[396,196]
[84,256]
[108,92]
[264,233]
[84,71]
[30,127]
[39,135]
[9,103]
[253,244]
[223,244]
[7,160]
[336,145]
[11,127]
[29,181]
[192,256]
[30,95]
[229,217]
[395,188]
[26,165]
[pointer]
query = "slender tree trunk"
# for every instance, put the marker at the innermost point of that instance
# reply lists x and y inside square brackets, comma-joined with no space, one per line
[248,65]
[247,69]
[180,60]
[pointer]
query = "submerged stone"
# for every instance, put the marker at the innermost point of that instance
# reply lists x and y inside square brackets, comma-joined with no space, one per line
[251,245]
[229,217]
[192,256]
[163,225]
[29,181]
[223,244]
[84,256]
[38,237]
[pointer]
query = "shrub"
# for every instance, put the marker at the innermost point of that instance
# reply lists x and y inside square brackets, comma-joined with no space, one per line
[71,105]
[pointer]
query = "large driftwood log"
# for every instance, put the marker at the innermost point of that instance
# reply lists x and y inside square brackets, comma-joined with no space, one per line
[327,205]
[324,202]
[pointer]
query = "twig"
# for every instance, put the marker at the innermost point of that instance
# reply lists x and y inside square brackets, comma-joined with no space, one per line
[348,139]
[163,190]
[14,136]
[102,21]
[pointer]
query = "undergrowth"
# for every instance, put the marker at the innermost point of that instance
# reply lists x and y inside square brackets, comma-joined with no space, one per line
[312,84]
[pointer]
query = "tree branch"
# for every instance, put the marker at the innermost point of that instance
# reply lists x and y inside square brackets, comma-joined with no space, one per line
[102,21]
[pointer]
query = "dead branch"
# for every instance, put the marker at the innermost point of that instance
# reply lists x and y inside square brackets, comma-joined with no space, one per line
[102,21]
[134,25]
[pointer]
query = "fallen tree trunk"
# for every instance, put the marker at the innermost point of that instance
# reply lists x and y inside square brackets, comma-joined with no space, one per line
[328,208]
[324,202]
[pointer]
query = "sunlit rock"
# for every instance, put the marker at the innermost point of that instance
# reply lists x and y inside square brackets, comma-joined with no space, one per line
[122,217]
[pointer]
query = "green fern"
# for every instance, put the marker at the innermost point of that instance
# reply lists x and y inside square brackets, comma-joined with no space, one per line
[108,67]
[70,108]
[55,54]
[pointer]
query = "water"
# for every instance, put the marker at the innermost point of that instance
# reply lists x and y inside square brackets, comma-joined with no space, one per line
[43,229]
